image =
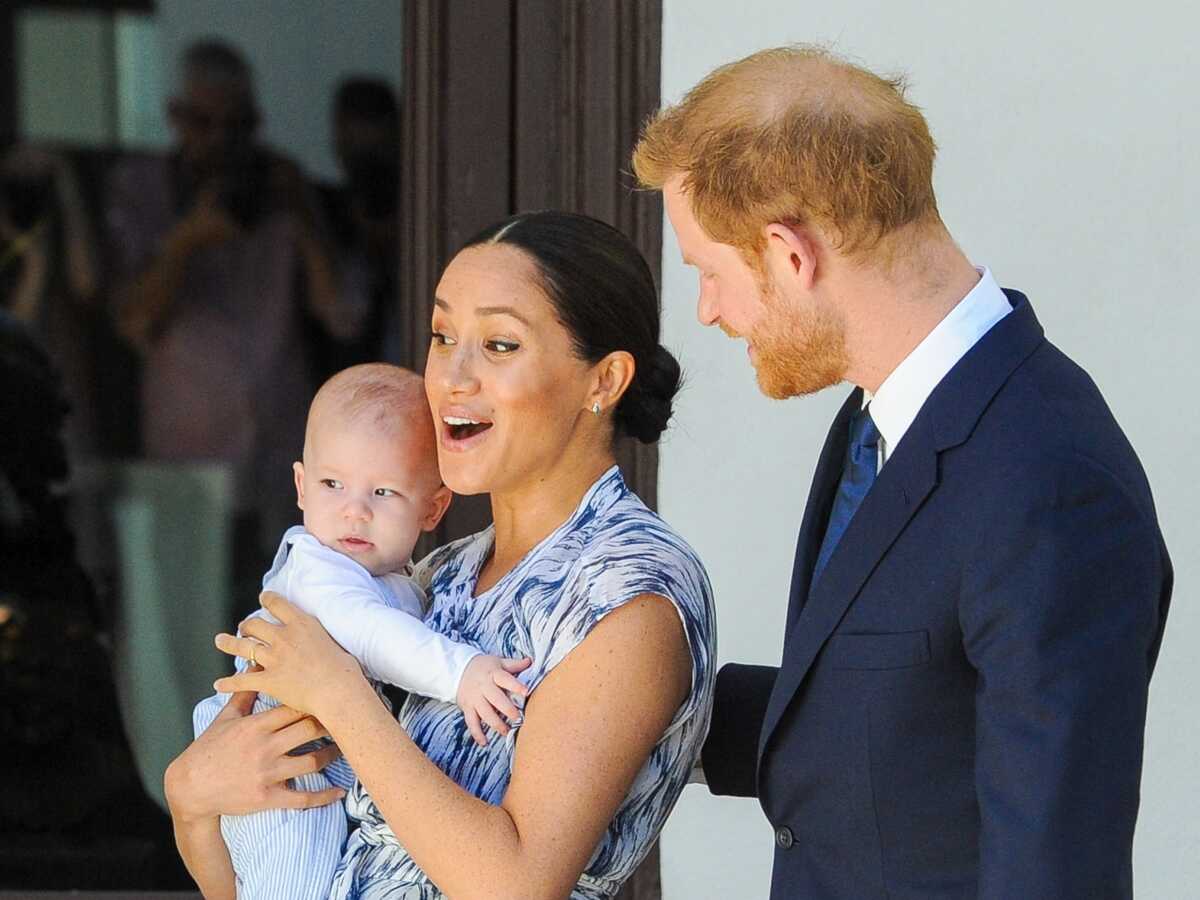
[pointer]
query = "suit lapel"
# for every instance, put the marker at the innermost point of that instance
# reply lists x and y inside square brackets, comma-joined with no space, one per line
[816,510]
[911,474]
[902,486]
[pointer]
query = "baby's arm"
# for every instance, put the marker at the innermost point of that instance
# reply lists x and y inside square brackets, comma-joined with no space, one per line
[391,644]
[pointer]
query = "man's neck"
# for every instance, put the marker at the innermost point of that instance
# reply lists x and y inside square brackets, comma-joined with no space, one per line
[889,314]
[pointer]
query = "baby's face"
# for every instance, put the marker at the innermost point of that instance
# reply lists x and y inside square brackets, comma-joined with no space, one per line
[366,494]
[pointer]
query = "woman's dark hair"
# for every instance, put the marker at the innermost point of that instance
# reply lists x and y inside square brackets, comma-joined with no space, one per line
[604,295]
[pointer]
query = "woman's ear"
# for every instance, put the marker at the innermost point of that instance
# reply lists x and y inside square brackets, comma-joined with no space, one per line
[298,474]
[438,504]
[614,374]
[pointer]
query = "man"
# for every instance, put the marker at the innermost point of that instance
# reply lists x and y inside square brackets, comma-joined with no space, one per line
[980,584]
[211,243]
[362,213]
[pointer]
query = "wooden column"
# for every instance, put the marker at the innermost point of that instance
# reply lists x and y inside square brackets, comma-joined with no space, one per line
[514,105]
[524,104]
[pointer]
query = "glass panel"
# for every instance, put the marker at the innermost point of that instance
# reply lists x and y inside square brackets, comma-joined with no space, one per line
[64,76]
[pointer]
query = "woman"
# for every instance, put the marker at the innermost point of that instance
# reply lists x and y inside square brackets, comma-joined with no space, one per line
[545,350]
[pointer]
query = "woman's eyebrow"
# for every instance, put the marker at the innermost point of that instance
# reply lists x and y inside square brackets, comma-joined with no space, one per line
[501,311]
[487,310]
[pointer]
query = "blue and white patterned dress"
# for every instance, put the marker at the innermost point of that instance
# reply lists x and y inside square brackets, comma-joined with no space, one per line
[611,550]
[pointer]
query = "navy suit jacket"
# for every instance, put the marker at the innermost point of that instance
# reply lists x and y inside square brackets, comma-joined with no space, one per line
[961,704]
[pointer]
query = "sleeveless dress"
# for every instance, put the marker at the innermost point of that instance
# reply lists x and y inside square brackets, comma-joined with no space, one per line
[611,550]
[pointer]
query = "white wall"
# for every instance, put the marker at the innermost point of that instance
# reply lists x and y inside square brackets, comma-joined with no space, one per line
[1068,163]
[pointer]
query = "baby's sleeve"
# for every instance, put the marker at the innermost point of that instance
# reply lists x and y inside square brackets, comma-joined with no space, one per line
[391,644]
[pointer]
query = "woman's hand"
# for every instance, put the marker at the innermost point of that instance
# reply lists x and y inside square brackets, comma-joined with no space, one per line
[300,664]
[240,764]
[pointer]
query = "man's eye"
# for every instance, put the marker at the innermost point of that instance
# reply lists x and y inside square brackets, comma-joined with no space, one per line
[386,492]
[503,348]
[441,339]
[331,483]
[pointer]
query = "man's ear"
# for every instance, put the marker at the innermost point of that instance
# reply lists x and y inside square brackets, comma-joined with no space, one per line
[438,504]
[298,474]
[791,255]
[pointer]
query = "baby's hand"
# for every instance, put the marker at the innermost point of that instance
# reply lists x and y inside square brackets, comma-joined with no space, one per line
[483,693]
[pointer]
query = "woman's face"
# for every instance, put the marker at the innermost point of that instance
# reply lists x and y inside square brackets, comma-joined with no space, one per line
[506,388]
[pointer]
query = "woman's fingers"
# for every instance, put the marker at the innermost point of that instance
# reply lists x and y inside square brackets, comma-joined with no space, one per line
[289,798]
[278,606]
[258,627]
[305,763]
[299,733]
[245,647]
[279,717]
[243,681]
[237,706]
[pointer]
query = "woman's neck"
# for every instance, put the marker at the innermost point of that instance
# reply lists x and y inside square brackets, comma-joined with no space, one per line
[524,516]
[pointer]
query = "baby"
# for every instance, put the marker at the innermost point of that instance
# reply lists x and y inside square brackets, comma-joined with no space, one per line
[368,486]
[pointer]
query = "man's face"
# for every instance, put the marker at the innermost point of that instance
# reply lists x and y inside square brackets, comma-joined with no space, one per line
[214,124]
[795,342]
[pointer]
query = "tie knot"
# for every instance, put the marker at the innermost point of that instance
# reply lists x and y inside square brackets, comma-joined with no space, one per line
[863,432]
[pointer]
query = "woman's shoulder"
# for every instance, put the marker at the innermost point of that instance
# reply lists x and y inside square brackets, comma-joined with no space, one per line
[632,537]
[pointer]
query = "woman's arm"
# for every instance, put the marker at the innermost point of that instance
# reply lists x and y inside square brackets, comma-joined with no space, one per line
[238,765]
[589,728]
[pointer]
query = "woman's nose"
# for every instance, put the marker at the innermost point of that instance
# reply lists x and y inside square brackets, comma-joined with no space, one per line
[458,372]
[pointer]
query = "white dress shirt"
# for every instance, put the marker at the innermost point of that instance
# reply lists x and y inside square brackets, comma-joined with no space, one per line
[904,392]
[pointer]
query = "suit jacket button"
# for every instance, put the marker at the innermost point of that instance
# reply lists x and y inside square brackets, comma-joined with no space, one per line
[784,838]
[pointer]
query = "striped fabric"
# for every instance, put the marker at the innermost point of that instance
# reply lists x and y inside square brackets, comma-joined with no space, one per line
[611,550]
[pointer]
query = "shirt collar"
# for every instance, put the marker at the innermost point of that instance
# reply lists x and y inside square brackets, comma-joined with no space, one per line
[896,404]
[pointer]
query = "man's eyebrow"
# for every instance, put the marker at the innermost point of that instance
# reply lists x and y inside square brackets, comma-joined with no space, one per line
[441,304]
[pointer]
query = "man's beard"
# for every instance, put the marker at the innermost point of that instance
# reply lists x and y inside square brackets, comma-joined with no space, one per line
[797,351]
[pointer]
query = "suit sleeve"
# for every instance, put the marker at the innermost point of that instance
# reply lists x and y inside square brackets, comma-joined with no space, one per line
[1061,618]
[730,754]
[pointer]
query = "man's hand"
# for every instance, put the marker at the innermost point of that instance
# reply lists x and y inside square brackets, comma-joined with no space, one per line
[484,694]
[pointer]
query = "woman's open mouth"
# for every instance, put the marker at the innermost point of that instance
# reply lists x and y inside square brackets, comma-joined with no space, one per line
[460,431]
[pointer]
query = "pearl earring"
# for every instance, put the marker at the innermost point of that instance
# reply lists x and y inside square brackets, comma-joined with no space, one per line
[596,408]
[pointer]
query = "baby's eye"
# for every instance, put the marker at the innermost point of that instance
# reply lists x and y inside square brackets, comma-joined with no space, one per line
[386,492]
[441,339]
[502,348]
[332,483]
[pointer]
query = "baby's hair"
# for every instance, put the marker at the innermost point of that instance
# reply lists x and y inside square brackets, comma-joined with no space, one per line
[382,396]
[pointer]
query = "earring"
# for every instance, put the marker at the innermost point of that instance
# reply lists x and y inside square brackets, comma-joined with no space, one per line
[596,408]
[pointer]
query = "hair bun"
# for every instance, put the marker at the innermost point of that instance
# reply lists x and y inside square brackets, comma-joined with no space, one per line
[645,409]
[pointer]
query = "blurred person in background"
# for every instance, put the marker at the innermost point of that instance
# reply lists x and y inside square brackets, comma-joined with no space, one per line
[218,261]
[48,271]
[72,812]
[362,213]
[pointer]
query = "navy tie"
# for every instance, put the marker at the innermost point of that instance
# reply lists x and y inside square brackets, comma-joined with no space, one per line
[862,464]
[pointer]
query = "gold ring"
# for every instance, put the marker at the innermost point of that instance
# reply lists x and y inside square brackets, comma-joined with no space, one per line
[253,648]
